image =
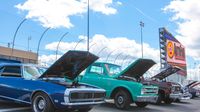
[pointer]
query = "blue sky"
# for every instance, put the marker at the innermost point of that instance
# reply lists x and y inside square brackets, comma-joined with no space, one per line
[123,23]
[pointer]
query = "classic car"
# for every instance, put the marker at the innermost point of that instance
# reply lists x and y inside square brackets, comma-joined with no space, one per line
[121,85]
[193,90]
[168,91]
[46,89]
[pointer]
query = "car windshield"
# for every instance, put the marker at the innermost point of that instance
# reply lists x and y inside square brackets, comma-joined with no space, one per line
[113,69]
[33,72]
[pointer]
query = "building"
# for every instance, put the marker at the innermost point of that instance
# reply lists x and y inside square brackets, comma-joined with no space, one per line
[16,54]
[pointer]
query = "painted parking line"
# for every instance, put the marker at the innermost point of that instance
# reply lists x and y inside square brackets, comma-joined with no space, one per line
[14,109]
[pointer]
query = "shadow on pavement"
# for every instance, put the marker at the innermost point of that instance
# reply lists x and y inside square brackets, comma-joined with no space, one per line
[132,108]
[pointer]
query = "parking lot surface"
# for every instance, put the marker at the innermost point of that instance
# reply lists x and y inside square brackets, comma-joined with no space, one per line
[185,106]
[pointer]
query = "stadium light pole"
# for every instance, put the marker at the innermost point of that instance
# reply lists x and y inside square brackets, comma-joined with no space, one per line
[59,43]
[88,24]
[29,38]
[13,43]
[141,26]
[38,48]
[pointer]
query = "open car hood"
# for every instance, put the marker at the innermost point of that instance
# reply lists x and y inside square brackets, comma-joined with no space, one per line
[167,72]
[70,65]
[137,68]
[191,83]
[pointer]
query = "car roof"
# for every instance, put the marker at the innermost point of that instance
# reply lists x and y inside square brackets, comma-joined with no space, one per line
[106,63]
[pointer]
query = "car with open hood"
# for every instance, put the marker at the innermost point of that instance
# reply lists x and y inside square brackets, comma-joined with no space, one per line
[168,91]
[48,89]
[192,88]
[121,85]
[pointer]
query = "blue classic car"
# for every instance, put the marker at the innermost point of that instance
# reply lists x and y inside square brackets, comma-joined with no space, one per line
[55,88]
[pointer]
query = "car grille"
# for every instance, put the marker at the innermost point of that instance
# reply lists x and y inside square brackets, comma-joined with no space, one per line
[176,89]
[150,90]
[86,97]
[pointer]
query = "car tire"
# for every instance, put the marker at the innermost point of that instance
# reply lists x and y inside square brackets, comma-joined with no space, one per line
[159,99]
[122,99]
[141,104]
[42,103]
[84,110]
[168,101]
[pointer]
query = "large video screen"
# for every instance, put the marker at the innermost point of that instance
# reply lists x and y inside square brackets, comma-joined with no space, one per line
[175,53]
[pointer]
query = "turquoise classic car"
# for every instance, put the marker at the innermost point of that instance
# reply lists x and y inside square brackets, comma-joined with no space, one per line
[121,85]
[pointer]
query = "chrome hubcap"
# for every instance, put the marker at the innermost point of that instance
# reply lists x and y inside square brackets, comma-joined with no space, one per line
[120,99]
[41,104]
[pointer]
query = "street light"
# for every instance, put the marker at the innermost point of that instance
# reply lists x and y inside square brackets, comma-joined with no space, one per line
[92,45]
[13,43]
[117,56]
[110,54]
[141,25]
[101,50]
[124,59]
[59,43]
[38,48]
[78,43]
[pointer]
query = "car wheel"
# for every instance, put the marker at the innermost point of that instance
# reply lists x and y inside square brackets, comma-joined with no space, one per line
[122,99]
[159,99]
[42,103]
[168,100]
[84,110]
[141,104]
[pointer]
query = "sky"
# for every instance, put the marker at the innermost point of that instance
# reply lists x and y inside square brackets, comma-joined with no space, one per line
[114,27]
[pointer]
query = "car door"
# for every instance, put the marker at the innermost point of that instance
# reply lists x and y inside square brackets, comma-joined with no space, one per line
[94,75]
[11,83]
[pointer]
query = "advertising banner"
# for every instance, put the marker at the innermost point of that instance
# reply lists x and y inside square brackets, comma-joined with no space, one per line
[175,53]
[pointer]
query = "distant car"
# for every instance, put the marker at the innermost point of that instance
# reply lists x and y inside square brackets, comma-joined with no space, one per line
[193,90]
[168,91]
[47,90]
[186,95]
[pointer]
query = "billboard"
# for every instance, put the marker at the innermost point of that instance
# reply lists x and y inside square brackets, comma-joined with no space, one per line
[173,51]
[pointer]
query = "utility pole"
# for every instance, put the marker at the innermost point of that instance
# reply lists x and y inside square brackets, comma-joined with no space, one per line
[88,25]
[141,25]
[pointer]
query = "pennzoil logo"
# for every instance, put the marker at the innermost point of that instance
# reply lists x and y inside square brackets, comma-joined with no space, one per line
[170,49]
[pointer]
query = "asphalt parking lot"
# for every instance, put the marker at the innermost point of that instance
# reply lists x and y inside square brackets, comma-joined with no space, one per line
[185,106]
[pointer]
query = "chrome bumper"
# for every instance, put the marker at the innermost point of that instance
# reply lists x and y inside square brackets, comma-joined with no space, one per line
[175,96]
[186,96]
[82,103]
[148,99]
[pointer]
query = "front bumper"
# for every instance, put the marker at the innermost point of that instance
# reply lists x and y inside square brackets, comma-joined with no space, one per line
[175,96]
[72,106]
[186,96]
[83,103]
[148,99]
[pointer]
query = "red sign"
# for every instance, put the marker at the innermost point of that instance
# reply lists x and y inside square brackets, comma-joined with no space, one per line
[175,52]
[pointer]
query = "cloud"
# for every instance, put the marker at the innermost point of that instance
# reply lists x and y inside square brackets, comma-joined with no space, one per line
[186,14]
[121,49]
[57,13]
[119,3]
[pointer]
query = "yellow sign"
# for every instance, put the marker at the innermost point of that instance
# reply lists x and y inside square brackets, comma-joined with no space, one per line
[170,49]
